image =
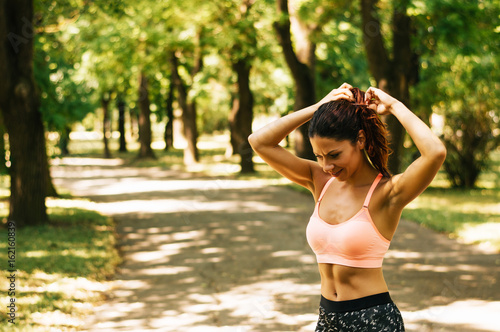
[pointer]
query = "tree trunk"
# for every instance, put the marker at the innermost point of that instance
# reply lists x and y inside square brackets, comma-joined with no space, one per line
[169,126]
[394,75]
[191,153]
[3,152]
[64,141]
[105,125]
[121,124]
[19,103]
[133,123]
[232,149]
[242,115]
[302,67]
[190,129]
[51,190]
[145,150]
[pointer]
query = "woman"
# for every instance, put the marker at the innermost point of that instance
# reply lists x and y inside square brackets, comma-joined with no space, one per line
[358,202]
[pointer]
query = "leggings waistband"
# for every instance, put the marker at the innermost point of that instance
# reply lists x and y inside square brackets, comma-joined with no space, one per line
[356,304]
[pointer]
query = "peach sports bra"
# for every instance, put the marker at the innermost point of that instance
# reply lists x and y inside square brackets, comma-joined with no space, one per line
[355,242]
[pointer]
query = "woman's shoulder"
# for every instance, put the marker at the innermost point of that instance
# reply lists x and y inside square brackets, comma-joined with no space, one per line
[383,193]
[320,179]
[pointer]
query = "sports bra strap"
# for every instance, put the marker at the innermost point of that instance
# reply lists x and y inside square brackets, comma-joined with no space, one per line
[325,187]
[368,196]
[372,189]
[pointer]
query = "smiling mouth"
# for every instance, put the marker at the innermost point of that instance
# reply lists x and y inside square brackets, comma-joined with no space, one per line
[337,173]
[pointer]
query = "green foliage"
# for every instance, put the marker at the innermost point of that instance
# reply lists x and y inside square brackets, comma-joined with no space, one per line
[472,114]
[61,266]
[65,96]
[459,77]
[98,47]
[341,57]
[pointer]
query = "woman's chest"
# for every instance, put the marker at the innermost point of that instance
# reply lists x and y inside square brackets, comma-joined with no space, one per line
[338,207]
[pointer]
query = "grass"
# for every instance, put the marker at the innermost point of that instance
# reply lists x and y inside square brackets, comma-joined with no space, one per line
[62,267]
[470,215]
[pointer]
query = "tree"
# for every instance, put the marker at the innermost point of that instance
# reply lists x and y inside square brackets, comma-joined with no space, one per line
[106,123]
[3,161]
[242,115]
[19,103]
[471,114]
[301,64]
[159,31]
[472,126]
[120,104]
[66,97]
[394,74]
[169,126]
[145,150]
[460,65]
[109,61]
[306,20]
[238,44]
[188,106]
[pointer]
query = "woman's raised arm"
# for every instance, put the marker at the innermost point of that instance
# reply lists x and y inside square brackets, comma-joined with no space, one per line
[265,141]
[413,181]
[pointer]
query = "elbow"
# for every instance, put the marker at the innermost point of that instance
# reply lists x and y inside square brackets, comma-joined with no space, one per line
[252,140]
[258,142]
[440,152]
[435,153]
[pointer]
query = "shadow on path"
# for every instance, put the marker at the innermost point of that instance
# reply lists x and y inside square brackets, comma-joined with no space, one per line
[218,254]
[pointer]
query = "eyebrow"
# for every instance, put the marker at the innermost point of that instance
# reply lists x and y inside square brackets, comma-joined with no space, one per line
[334,150]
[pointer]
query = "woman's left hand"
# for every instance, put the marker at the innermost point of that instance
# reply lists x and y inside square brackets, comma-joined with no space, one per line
[343,92]
[379,101]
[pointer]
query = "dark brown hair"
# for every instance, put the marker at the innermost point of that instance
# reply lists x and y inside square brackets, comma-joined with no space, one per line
[343,119]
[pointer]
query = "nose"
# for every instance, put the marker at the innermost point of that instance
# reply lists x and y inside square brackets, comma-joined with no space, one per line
[328,167]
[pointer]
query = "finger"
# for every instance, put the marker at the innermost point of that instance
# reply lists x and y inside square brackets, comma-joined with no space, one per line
[345,86]
[339,96]
[346,91]
[349,93]
[367,96]
[370,94]
[344,95]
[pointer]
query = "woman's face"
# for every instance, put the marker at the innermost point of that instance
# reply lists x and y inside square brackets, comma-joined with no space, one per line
[339,158]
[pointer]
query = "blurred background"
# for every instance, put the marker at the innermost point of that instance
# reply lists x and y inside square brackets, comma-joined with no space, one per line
[180,85]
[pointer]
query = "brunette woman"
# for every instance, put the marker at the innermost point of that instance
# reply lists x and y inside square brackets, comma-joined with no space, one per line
[358,202]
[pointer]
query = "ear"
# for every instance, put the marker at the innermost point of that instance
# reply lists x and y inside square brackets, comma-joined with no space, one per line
[361,141]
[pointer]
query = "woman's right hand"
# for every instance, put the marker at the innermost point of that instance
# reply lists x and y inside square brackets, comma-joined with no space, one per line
[342,92]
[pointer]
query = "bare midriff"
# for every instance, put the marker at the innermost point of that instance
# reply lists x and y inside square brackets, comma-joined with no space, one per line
[342,283]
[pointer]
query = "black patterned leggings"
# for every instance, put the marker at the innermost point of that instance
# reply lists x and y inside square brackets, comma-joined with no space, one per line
[374,313]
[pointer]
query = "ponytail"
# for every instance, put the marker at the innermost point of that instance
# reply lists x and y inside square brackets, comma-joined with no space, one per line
[343,119]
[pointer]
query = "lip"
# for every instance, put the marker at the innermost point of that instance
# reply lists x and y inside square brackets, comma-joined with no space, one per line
[337,173]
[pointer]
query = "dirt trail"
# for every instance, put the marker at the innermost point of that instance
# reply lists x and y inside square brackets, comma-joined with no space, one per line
[217,254]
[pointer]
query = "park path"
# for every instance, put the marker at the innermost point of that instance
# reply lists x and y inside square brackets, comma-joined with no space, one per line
[220,254]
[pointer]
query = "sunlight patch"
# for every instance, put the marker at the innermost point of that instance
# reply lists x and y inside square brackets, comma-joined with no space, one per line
[472,314]
[48,319]
[487,234]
